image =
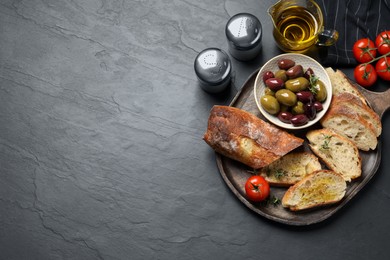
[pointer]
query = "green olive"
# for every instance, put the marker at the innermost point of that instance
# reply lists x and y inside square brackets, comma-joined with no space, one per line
[270,104]
[281,74]
[320,91]
[286,97]
[298,84]
[268,91]
[298,108]
[284,108]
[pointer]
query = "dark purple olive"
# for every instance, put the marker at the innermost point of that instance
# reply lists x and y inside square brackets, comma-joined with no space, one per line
[285,117]
[285,64]
[295,72]
[274,84]
[308,73]
[267,75]
[305,96]
[299,120]
[318,106]
[310,110]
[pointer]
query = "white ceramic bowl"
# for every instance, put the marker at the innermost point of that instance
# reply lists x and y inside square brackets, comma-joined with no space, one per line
[306,62]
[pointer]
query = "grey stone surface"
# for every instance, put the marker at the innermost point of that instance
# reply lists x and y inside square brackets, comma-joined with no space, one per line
[101,151]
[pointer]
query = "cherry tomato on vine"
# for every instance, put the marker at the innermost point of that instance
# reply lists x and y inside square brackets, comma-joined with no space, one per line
[257,188]
[365,75]
[382,42]
[364,50]
[382,68]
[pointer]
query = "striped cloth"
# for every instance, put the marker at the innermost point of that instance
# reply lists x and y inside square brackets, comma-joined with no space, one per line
[353,19]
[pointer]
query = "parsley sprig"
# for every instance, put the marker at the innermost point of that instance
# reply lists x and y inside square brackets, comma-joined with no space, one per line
[313,83]
[272,200]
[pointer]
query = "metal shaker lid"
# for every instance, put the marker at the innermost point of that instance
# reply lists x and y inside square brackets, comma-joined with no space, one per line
[212,67]
[243,31]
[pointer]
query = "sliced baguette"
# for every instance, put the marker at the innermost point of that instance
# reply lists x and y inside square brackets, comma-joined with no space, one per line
[337,152]
[350,124]
[322,187]
[341,84]
[290,169]
[354,103]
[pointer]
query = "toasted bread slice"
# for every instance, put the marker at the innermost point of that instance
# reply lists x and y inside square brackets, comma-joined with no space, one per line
[363,110]
[341,84]
[347,122]
[337,152]
[320,188]
[290,169]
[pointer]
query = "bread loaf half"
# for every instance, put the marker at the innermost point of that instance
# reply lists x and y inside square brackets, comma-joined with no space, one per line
[341,84]
[290,169]
[364,111]
[349,123]
[244,137]
[323,187]
[337,152]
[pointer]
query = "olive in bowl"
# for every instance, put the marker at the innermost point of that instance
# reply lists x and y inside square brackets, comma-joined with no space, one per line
[292,91]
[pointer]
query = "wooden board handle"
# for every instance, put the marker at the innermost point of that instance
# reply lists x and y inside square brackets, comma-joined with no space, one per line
[379,101]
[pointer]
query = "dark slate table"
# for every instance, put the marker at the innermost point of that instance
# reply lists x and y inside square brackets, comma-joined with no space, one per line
[101,150]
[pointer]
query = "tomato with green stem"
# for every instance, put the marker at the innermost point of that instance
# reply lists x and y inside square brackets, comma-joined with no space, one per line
[257,188]
[382,68]
[364,50]
[365,75]
[382,42]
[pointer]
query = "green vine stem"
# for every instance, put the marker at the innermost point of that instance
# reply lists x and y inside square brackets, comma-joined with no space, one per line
[377,58]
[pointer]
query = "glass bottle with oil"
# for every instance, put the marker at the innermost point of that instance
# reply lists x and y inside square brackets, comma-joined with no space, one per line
[297,24]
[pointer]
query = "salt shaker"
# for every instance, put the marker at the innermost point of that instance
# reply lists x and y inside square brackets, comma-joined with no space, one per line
[244,32]
[213,69]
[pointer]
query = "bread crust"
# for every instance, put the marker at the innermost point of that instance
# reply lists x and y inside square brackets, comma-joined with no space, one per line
[366,137]
[244,137]
[364,111]
[341,109]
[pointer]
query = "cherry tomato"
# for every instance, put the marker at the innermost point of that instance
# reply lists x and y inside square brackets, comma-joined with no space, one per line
[382,42]
[382,68]
[364,50]
[365,75]
[257,188]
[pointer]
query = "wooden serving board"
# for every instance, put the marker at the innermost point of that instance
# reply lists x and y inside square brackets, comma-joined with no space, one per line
[235,174]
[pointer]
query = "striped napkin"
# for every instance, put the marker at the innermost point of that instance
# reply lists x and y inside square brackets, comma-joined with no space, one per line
[353,19]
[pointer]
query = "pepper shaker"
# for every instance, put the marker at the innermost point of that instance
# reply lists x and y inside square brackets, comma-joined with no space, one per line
[213,69]
[244,33]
